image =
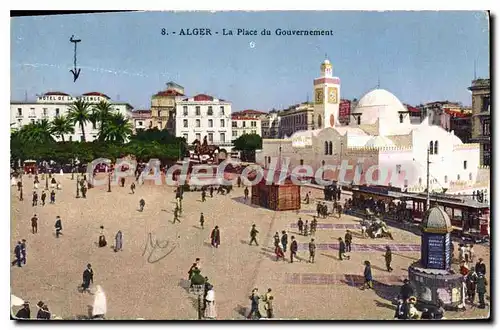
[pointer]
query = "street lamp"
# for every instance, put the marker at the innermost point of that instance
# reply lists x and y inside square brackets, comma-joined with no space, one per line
[199,290]
[46,182]
[77,190]
[109,182]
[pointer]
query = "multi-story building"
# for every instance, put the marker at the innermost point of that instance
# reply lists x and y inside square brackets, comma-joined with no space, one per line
[163,106]
[242,124]
[270,124]
[203,115]
[481,118]
[414,112]
[298,117]
[250,114]
[435,110]
[459,122]
[141,120]
[53,104]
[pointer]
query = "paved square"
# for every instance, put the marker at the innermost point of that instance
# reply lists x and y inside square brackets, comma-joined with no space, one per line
[138,288]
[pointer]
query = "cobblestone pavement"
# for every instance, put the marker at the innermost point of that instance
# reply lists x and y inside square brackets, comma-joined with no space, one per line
[138,288]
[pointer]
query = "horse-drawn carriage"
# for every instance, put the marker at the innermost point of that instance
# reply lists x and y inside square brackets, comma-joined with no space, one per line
[378,229]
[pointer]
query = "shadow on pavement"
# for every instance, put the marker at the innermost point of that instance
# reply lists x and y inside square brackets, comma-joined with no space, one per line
[247,202]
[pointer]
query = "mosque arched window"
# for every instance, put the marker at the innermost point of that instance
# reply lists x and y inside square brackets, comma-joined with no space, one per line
[400,118]
[330,149]
[431,147]
[458,177]
[326,148]
[470,176]
[435,147]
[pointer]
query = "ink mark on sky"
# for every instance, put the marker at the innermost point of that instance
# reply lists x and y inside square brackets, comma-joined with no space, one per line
[75,71]
[162,247]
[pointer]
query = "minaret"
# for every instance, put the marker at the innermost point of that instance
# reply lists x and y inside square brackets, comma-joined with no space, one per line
[326,97]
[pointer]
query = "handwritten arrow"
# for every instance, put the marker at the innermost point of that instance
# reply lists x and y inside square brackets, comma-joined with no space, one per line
[75,71]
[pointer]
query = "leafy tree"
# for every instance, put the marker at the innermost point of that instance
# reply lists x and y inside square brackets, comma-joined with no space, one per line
[38,132]
[79,113]
[115,128]
[61,125]
[248,142]
[101,115]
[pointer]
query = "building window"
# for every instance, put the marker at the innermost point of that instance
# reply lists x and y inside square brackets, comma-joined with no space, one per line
[486,127]
[198,111]
[57,112]
[254,131]
[198,136]
[222,123]
[70,139]
[139,123]
[465,164]
[235,133]
[254,124]
[210,123]
[400,118]
[185,122]
[470,176]
[243,124]
[420,181]
[32,111]
[210,111]
[185,110]
[32,121]
[19,123]
[398,169]
[160,125]
[222,137]
[244,131]
[210,137]
[330,148]
[185,136]
[431,148]
[326,148]
[445,179]
[234,124]
[222,110]
[198,123]
[301,162]
[19,111]
[435,147]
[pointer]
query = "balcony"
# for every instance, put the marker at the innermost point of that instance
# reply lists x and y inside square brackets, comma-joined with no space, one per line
[32,116]
[19,116]
[480,139]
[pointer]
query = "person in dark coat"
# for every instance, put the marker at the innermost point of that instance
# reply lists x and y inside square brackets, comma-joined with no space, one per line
[276,239]
[215,237]
[23,251]
[293,249]
[17,253]
[406,290]
[254,307]
[58,226]
[284,240]
[88,277]
[25,312]
[368,276]
[388,258]
[43,197]
[471,282]
[43,311]
[142,203]
[253,235]
[34,224]
[300,224]
[203,195]
[348,240]
[401,310]
[35,199]
[211,191]
[312,250]
[245,192]
[132,187]
[480,267]
[341,249]
[481,289]
[52,197]
[202,220]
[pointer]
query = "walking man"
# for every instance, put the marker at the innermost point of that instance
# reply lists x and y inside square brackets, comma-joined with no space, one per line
[253,235]
[268,304]
[314,224]
[203,195]
[88,277]
[368,276]
[341,249]
[132,187]
[276,239]
[481,289]
[35,199]
[246,193]
[202,220]
[17,253]
[388,258]
[34,224]
[142,203]
[215,237]
[58,226]
[284,240]
[23,251]
[293,249]
[312,250]
[52,197]
[348,240]
[211,191]
[254,308]
[44,195]
[300,224]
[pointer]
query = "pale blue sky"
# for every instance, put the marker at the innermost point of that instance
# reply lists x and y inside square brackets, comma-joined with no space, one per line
[419,56]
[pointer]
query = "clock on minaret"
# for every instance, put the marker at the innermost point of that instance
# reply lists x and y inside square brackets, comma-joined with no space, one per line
[319,96]
[333,93]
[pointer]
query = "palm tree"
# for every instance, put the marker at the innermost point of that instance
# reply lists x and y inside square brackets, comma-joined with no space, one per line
[37,132]
[101,114]
[116,128]
[79,113]
[62,125]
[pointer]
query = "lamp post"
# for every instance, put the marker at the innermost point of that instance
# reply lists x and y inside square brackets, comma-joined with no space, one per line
[109,181]
[199,289]
[46,182]
[77,190]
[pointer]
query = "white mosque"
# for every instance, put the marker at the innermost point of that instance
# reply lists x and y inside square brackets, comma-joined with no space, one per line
[379,133]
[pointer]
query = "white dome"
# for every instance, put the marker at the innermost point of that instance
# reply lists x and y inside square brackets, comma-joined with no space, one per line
[379,142]
[326,61]
[379,104]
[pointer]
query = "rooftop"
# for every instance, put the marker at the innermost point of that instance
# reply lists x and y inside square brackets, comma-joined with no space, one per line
[96,94]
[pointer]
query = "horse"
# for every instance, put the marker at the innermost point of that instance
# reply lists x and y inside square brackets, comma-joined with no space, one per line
[200,149]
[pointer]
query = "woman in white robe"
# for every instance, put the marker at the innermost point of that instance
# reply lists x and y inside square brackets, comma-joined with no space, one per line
[210,312]
[100,307]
